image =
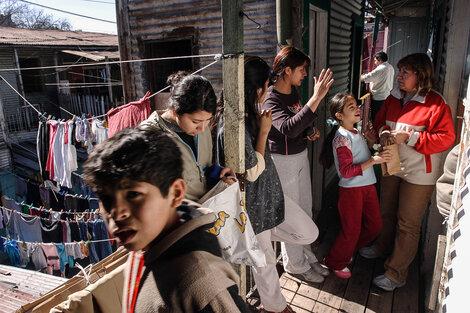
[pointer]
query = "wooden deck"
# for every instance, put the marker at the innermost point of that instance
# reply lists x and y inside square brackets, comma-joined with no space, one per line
[353,295]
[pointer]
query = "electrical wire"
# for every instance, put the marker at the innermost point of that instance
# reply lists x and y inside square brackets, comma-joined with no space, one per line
[113,3]
[115,62]
[67,12]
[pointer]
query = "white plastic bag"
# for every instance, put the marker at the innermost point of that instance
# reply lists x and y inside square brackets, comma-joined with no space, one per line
[233,229]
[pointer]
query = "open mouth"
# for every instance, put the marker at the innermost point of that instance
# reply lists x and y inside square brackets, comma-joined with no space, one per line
[125,236]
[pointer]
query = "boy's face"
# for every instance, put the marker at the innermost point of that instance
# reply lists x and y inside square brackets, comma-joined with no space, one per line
[136,212]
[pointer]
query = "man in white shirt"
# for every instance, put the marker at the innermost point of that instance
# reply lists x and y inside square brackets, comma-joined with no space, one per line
[381,82]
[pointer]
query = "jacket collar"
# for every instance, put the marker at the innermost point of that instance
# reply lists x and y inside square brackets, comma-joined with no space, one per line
[200,217]
[398,94]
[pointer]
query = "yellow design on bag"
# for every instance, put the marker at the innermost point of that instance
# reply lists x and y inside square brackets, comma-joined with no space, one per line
[243,223]
[219,223]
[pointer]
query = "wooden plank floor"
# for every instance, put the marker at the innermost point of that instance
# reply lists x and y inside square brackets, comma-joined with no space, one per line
[354,295]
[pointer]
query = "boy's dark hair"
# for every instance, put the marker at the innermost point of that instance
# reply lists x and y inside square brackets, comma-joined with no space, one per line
[191,93]
[336,105]
[421,64]
[381,56]
[149,156]
[288,57]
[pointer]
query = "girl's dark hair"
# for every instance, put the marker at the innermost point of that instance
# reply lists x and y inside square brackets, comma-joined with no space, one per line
[256,75]
[191,93]
[288,57]
[336,105]
[423,68]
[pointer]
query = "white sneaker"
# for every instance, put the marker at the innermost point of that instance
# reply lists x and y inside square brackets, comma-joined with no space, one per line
[309,276]
[317,267]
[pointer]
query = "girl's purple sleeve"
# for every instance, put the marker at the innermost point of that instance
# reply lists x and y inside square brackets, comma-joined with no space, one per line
[290,126]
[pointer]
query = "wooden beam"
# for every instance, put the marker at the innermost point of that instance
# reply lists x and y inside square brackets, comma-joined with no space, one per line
[459,31]
[436,278]
[108,77]
[234,97]
[124,35]
[19,78]
[233,84]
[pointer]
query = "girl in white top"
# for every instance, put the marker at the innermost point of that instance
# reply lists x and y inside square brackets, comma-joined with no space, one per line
[358,204]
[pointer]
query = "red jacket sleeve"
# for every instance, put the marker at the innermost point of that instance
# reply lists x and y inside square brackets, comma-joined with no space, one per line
[440,131]
[345,163]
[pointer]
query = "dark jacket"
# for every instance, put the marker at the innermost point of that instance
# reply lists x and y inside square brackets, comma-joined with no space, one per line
[184,271]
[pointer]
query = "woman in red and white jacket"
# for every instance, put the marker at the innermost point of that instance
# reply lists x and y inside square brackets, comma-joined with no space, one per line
[417,118]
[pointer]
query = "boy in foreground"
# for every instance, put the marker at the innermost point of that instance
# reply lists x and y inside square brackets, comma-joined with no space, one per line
[175,264]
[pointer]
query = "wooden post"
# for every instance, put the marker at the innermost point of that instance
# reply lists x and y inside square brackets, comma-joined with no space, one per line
[108,78]
[234,96]
[57,78]
[124,38]
[18,75]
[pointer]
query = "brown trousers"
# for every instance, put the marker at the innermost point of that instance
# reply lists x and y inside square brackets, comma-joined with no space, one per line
[402,205]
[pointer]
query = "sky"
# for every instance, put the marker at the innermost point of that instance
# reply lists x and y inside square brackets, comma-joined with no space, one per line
[102,9]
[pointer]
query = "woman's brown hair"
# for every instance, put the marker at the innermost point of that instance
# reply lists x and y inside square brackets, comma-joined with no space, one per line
[288,57]
[423,68]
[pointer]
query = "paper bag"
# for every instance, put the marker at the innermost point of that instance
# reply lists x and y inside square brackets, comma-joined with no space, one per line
[394,166]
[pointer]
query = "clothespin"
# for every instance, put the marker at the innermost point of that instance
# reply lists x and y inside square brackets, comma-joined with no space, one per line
[49,117]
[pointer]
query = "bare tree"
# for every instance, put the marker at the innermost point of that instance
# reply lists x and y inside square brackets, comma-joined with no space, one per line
[13,13]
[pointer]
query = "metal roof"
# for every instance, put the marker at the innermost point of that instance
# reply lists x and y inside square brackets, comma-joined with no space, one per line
[47,37]
[20,286]
[96,56]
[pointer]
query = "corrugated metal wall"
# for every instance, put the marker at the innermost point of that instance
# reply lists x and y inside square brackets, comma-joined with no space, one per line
[155,20]
[341,22]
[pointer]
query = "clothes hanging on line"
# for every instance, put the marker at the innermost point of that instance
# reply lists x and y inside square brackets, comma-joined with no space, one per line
[57,142]
[128,115]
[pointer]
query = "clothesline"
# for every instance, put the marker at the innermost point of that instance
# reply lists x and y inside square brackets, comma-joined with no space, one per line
[216,56]
[49,219]
[161,90]
[52,243]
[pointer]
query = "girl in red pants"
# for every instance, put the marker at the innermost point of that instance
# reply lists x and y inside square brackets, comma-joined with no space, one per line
[358,203]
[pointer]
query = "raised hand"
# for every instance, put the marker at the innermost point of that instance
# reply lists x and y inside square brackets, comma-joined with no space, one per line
[322,83]
[265,121]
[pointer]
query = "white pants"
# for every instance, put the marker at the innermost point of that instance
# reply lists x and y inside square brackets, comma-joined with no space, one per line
[294,172]
[297,228]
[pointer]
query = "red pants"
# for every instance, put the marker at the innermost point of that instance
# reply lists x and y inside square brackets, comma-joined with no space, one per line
[361,222]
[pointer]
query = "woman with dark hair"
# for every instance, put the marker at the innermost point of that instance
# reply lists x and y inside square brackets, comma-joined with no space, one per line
[292,129]
[418,119]
[191,105]
[264,195]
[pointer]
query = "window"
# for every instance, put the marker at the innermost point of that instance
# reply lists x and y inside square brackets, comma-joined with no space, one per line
[32,79]
[158,71]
